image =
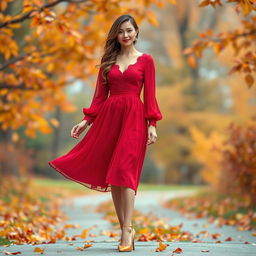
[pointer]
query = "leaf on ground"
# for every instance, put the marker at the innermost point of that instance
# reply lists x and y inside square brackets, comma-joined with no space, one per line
[216,235]
[37,249]
[178,250]
[161,247]
[11,253]
[87,246]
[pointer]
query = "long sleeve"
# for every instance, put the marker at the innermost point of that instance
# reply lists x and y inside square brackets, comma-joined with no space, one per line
[152,111]
[100,95]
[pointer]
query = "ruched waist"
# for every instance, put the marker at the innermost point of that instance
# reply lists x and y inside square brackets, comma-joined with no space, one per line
[123,93]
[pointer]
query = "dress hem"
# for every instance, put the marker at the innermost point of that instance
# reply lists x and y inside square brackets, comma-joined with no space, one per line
[90,186]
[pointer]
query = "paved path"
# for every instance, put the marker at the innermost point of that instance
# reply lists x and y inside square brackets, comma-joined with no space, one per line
[82,211]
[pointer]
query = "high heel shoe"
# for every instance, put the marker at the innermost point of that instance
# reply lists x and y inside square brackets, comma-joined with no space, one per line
[128,248]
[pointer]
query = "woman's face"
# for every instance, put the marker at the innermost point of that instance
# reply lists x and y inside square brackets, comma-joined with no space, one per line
[126,34]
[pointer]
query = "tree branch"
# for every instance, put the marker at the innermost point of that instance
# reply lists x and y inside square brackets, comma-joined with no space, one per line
[12,61]
[27,15]
[19,87]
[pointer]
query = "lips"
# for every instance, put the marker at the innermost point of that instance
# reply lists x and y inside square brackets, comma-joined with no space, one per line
[127,40]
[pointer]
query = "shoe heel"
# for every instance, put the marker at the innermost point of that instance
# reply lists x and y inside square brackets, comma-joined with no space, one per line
[133,236]
[128,248]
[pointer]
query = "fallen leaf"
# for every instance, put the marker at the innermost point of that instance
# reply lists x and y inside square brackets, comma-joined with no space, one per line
[87,246]
[161,247]
[37,249]
[11,253]
[178,250]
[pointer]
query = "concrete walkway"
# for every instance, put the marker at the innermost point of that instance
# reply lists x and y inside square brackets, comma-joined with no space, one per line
[81,211]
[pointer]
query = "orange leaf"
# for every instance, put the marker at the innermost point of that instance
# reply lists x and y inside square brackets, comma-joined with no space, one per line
[204,3]
[191,61]
[87,246]
[37,249]
[178,250]
[161,247]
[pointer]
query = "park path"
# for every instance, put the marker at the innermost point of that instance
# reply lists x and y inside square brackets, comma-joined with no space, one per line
[81,211]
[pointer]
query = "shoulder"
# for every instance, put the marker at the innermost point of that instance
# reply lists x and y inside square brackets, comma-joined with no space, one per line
[148,60]
[147,56]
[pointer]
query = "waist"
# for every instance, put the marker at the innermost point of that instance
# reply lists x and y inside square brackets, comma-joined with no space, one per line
[112,94]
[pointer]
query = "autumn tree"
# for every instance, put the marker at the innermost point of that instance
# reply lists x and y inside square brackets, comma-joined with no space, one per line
[47,45]
[241,39]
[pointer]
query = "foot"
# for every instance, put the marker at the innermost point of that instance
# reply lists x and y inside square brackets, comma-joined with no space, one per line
[126,238]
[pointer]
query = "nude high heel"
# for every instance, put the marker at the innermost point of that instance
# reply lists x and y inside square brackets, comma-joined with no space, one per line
[128,248]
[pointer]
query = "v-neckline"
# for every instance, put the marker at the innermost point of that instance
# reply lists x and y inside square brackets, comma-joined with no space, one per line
[118,67]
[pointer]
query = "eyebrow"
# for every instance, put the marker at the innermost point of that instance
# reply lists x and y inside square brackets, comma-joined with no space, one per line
[126,28]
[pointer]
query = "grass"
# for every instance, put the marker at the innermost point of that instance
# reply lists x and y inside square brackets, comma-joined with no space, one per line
[63,183]
[4,241]
[161,187]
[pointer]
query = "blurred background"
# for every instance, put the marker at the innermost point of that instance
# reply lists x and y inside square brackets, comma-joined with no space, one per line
[48,53]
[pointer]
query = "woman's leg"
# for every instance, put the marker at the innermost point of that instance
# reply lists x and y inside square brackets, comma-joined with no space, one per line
[116,196]
[127,197]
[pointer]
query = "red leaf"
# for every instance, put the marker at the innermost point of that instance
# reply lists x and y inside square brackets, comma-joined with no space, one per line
[11,253]
[178,250]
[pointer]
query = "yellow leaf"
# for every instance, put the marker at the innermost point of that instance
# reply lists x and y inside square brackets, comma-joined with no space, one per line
[55,122]
[50,67]
[152,18]
[216,48]
[246,6]
[144,231]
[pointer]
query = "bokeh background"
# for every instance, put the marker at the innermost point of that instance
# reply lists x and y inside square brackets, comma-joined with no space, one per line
[205,58]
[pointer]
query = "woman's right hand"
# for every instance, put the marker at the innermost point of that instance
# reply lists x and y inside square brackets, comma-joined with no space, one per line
[78,129]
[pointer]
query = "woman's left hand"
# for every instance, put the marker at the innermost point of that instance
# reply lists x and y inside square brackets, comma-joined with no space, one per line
[151,135]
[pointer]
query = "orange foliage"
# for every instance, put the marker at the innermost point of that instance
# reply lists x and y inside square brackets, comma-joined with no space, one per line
[59,44]
[205,150]
[241,40]
[28,216]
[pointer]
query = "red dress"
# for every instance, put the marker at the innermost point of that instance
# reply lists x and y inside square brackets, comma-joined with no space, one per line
[113,149]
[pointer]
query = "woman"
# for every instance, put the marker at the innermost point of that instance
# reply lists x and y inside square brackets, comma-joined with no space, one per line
[111,154]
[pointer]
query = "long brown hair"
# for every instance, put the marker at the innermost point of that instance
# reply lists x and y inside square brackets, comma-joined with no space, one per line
[112,46]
